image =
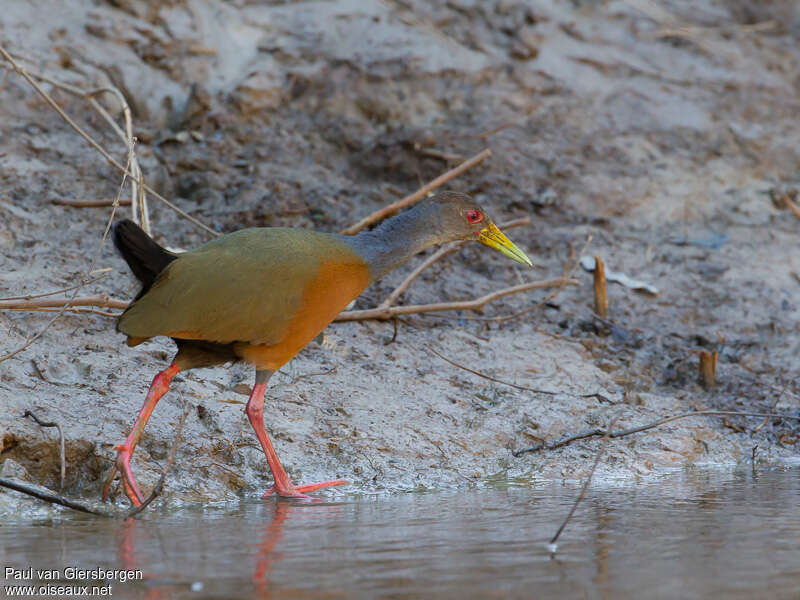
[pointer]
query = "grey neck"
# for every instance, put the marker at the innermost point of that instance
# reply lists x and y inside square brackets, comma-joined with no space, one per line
[397,239]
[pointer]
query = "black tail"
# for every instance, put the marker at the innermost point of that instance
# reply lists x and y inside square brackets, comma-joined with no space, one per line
[145,258]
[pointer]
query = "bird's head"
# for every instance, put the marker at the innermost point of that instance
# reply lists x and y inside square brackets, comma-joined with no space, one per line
[461,218]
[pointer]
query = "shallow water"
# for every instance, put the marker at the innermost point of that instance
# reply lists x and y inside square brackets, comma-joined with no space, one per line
[698,534]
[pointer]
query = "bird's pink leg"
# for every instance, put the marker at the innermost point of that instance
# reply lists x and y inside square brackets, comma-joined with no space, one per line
[283,486]
[125,450]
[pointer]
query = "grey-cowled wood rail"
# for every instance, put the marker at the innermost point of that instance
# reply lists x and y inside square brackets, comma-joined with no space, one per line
[260,295]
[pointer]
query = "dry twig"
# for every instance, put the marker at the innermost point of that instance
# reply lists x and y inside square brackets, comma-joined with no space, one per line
[87,203]
[489,377]
[477,304]
[99,300]
[103,273]
[585,486]
[125,169]
[624,432]
[51,497]
[170,459]
[569,269]
[795,208]
[420,193]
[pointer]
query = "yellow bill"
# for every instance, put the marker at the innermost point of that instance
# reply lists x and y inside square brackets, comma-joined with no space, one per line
[494,238]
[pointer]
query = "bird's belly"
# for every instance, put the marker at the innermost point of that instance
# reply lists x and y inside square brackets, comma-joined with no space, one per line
[323,299]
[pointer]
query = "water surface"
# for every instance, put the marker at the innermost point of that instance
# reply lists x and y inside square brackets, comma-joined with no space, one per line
[698,534]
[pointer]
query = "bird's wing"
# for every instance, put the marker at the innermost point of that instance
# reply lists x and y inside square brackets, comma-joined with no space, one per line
[244,287]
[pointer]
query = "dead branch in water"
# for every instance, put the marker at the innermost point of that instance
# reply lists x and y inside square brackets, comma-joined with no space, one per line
[625,432]
[41,423]
[420,193]
[586,483]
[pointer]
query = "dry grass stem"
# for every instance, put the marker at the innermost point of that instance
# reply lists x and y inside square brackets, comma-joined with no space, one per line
[138,198]
[392,208]
[600,288]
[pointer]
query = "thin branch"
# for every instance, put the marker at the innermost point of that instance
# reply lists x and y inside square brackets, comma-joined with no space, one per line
[137,193]
[569,269]
[771,408]
[489,377]
[384,313]
[585,486]
[420,193]
[100,301]
[435,257]
[791,205]
[87,203]
[51,497]
[41,423]
[625,432]
[74,311]
[476,304]
[94,144]
[103,273]
[160,485]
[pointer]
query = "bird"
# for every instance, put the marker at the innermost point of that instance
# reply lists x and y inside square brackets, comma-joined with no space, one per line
[260,295]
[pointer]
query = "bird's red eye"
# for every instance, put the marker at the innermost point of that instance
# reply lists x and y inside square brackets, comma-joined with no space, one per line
[474,216]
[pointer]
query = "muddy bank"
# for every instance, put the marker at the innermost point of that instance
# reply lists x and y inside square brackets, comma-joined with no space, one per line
[668,151]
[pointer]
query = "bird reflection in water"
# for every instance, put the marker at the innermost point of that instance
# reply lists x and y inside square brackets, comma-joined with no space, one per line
[272,533]
[265,553]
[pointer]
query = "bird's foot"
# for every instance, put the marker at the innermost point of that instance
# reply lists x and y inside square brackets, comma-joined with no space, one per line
[123,466]
[296,491]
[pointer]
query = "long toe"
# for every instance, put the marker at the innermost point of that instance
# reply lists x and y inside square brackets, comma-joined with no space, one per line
[128,482]
[297,491]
